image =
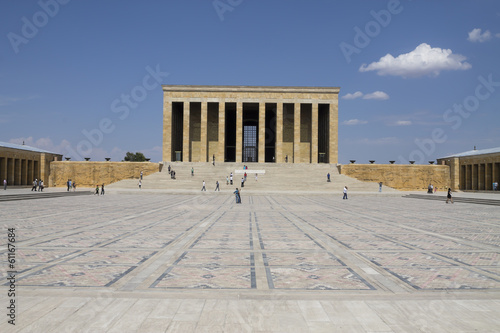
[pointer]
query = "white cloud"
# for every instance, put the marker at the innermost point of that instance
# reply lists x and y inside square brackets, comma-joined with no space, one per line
[380,95]
[355,122]
[424,60]
[42,143]
[376,95]
[6,100]
[476,36]
[402,123]
[379,141]
[357,94]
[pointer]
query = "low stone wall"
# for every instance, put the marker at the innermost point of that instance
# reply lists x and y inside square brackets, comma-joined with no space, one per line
[401,177]
[89,174]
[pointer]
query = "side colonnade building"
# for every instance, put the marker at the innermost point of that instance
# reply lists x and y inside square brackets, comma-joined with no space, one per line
[475,170]
[20,164]
[250,124]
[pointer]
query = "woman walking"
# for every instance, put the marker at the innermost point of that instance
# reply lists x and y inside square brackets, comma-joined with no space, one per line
[448,197]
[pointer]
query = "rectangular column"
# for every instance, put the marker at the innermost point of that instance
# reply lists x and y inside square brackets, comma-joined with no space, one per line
[204,122]
[333,145]
[262,133]
[24,173]
[186,144]
[17,171]
[222,132]
[475,172]
[296,133]
[239,132]
[167,130]
[279,132]
[3,169]
[314,133]
[488,177]
[31,177]
[10,171]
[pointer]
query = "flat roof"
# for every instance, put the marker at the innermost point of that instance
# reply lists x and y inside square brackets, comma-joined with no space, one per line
[24,147]
[257,89]
[475,152]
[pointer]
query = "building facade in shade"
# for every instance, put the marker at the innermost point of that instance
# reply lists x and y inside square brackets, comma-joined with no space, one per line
[250,124]
[20,164]
[474,169]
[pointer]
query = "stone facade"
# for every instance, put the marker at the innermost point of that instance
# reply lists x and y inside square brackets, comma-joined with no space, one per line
[474,170]
[20,164]
[90,174]
[250,124]
[401,177]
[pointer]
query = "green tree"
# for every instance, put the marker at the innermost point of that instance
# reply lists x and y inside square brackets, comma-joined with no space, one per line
[137,157]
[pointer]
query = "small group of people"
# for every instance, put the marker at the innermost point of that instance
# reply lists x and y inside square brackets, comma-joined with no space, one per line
[71,185]
[171,172]
[431,189]
[37,185]
[102,189]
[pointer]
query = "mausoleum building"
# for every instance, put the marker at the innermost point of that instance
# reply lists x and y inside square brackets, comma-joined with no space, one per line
[250,124]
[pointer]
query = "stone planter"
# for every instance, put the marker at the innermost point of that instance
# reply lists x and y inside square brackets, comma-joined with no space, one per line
[371,161]
[392,162]
[87,158]
[412,162]
[352,161]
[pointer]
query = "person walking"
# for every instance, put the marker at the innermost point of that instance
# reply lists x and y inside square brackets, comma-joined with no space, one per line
[140,184]
[102,189]
[217,186]
[328,177]
[192,171]
[35,182]
[256,176]
[237,196]
[245,176]
[231,178]
[96,190]
[74,186]
[213,159]
[141,174]
[203,188]
[67,184]
[242,182]
[345,193]
[448,197]
[40,186]
[227,180]
[380,187]
[4,184]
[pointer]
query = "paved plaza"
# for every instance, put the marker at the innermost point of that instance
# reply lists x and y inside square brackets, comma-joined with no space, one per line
[160,262]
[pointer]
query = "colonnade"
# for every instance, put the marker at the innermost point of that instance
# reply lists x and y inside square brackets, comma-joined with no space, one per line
[250,124]
[479,176]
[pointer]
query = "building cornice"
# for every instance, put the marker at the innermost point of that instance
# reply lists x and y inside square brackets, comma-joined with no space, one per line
[252,89]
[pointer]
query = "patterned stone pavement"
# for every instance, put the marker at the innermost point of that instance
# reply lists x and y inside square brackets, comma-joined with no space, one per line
[163,262]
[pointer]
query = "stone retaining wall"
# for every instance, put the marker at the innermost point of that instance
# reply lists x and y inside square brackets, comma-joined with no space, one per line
[89,174]
[401,177]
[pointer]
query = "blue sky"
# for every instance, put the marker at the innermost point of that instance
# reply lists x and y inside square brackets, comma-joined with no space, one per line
[419,79]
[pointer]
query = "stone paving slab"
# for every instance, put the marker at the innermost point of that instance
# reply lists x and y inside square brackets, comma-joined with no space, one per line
[200,263]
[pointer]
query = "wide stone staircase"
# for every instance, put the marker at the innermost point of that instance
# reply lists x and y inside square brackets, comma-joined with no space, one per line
[272,178]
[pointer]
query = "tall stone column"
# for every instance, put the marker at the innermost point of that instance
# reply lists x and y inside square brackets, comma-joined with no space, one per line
[186,144]
[17,171]
[203,131]
[24,173]
[222,132]
[262,132]
[488,177]
[296,133]
[3,169]
[167,130]
[239,131]
[279,132]
[314,133]
[333,144]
